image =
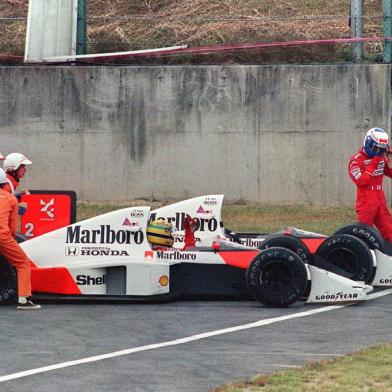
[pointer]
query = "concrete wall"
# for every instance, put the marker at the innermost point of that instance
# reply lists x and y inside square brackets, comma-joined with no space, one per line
[279,133]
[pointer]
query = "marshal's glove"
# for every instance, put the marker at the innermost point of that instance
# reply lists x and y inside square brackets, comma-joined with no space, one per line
[389,157]
[373,165]
[22,208]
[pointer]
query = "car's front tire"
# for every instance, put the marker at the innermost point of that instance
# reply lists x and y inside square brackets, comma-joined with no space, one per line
[277,277]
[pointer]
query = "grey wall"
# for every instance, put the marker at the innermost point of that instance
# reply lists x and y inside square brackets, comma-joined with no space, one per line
[279,133]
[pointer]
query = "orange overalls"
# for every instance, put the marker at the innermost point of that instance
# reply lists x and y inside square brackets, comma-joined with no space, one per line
[9,248]
[11,185]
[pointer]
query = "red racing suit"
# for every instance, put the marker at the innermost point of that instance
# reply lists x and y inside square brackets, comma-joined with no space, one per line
[371,207]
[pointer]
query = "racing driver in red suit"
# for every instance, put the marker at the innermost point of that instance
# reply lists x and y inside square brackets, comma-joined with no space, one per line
[367,168]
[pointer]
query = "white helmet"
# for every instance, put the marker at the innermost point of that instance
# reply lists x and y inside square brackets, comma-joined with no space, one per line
[14,160]
[375,142]
[3,176]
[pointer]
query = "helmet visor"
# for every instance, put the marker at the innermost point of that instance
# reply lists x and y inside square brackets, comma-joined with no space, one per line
[379,150]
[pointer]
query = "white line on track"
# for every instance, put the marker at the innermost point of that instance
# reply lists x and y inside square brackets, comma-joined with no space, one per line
[378,294]
[176,342]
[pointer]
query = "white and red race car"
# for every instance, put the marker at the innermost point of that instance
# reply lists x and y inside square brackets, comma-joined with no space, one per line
[109,258]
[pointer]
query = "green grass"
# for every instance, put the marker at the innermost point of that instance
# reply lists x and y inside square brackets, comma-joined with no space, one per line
[367,370]
[269,218]
[254,217]
[87,210]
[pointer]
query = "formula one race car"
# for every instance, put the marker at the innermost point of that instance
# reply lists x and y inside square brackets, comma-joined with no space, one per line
[109,257]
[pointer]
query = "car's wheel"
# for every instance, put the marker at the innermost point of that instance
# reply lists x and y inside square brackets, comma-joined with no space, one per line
[277,277]
[8,284]
[349,254]
[288,242]
[366,233]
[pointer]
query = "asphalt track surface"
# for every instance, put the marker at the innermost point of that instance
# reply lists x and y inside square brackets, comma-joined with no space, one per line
[63,334]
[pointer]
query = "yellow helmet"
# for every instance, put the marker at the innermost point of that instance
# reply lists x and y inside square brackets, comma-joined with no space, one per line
[159,232]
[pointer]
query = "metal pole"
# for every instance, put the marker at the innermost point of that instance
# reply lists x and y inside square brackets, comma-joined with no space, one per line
[387,19]
[357,29]
[81,35]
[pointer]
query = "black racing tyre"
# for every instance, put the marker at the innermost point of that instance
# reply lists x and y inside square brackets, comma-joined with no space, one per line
[288,242]
[366,233]
[277,277]
[350,254]
[8,283]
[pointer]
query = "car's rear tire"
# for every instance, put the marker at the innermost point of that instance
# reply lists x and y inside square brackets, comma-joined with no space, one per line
[288,242]
[8,283]
[277,277]
[366,233]
[350,254]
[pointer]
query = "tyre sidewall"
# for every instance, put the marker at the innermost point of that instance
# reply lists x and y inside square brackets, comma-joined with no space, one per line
[366,233]
[364,270]
[288,242]
[263,293]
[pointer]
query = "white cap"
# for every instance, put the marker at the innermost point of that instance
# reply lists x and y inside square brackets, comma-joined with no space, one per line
[3,176]
[14,160]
